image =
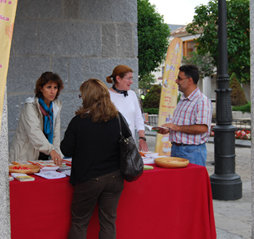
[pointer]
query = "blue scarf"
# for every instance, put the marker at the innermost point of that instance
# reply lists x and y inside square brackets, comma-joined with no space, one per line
[48,119]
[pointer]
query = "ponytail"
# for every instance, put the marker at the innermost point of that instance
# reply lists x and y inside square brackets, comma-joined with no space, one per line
[109,79]
[120,71]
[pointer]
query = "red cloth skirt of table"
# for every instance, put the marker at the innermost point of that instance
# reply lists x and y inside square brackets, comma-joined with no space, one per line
[162,203]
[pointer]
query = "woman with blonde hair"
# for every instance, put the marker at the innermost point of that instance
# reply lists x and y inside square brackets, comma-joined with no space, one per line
[92,140]
[127,102]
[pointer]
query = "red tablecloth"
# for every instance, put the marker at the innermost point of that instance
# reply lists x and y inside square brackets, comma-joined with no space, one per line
[162,203]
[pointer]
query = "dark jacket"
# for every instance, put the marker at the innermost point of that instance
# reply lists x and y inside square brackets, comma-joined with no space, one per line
[94,147]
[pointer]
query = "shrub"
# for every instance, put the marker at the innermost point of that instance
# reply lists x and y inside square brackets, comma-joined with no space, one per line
[243,108]
[152,98]
[237,94]
[153,111]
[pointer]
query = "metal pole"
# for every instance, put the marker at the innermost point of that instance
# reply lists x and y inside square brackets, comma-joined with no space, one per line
[226,184]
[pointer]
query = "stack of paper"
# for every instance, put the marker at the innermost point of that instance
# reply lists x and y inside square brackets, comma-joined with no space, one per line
[45,165]
[67,161]
[22,177]
[50,174]
[149,157]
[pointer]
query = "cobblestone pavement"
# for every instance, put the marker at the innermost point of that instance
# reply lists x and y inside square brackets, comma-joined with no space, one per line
[232,218]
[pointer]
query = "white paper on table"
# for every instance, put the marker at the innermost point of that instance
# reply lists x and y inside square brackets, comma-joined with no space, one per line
[150,156]
[67,172]
[50,174]
[148,160]
[51,168]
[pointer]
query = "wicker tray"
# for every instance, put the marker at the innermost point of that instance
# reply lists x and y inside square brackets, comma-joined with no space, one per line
[23,168]
[171,162]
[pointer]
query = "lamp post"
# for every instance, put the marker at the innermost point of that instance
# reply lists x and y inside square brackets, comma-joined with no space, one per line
[226,184]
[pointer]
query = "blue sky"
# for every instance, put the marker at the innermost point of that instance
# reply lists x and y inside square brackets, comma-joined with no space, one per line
[177,12]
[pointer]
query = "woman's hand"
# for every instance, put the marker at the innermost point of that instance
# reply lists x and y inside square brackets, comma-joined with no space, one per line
[143,145]
[142,141]
[56,157]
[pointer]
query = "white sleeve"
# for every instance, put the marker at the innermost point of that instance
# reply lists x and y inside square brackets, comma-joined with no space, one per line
[139,120]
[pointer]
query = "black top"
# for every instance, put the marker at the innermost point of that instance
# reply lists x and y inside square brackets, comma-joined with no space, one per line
[94,147]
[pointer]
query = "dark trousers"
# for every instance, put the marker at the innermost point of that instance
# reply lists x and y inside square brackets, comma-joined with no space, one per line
[104,190]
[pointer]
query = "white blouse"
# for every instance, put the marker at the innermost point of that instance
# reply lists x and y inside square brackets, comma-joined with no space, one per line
[129,107]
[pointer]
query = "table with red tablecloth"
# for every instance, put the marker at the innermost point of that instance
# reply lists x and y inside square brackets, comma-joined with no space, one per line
[162,203]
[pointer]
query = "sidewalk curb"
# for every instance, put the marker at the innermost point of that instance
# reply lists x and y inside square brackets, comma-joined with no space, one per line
[238,142]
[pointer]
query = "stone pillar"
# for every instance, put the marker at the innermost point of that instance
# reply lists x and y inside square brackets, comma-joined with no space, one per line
[252,103]
[4,179]
[78,39]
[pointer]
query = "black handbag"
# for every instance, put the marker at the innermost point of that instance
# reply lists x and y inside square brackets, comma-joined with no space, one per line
[131,163]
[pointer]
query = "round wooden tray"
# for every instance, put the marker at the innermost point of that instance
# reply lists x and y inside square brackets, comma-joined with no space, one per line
[171,162]
[24,168]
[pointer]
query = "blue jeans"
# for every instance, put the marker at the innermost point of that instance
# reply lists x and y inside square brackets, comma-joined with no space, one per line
[196,154]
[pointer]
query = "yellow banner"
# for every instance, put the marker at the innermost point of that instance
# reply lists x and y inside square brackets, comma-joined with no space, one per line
[7,18]
[169,93]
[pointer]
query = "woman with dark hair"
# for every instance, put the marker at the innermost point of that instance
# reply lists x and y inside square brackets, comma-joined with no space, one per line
[127,102]
[92,140]
[38,134]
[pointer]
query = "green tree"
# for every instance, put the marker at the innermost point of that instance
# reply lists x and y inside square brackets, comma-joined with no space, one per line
[153,36]
[146,80]
[203,62]
[205,22]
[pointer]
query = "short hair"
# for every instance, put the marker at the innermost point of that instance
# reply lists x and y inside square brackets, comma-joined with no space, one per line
[190,71]
[96,101]
[44,79]
[120,70]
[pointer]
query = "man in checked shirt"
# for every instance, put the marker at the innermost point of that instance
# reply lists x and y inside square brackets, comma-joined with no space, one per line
[189,128]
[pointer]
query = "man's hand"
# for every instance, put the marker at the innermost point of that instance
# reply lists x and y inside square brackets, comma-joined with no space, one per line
[171,126]
[188,129]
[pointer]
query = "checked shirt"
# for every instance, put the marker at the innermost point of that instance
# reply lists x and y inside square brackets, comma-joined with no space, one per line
[194,109]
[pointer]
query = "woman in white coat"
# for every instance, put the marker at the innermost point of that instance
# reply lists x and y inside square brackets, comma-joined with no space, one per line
[38,133]
[127,102]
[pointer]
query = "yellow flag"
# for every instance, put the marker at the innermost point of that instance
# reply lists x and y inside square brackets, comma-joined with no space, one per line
[169,93]
[7,18]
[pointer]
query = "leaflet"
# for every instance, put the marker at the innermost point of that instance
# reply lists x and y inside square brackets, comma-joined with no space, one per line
[51,174]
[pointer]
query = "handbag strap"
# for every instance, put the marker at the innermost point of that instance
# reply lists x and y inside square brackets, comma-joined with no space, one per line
[120,125]
[125,125]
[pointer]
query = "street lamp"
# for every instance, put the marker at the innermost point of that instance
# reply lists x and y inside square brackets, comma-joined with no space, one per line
[226,184]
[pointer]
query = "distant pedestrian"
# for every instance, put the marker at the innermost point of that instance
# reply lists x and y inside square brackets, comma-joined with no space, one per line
[189,128]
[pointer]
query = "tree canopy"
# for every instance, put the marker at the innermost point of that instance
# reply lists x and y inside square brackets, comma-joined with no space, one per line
[153,36]
[205,22]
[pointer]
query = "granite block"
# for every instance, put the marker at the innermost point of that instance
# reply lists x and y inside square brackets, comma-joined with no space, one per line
[43,9]
[109,10]
[109,40]
[25,37]
[24,72]
[69,38]
[71,102]
[125,40]
[15,105]
[60,65]
[71,9]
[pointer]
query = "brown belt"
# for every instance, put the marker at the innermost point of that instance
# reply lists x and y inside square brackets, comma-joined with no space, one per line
[180,144]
